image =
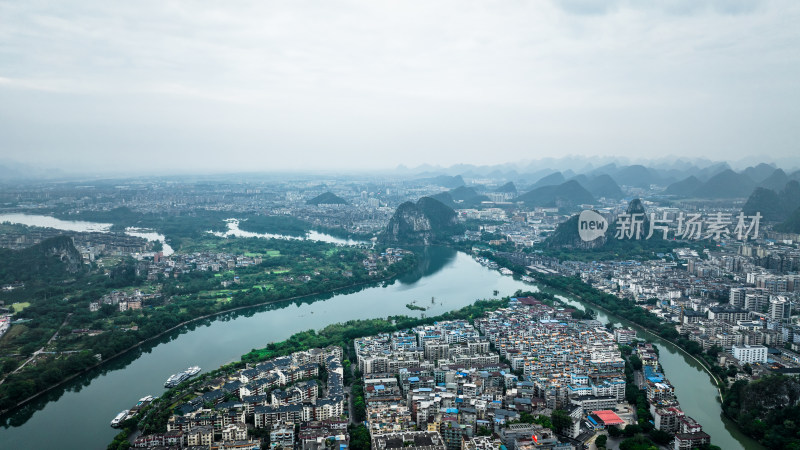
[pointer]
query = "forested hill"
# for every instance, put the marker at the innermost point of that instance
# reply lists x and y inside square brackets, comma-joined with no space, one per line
[50,259]
[426,222]
[327,198]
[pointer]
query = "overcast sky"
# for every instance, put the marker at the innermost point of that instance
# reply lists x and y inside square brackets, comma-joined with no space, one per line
[265,85]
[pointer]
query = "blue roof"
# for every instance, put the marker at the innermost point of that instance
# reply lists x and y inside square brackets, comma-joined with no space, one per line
[413,379]
[452,410]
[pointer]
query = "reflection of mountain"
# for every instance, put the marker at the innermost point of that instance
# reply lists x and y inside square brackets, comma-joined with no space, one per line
[431,259]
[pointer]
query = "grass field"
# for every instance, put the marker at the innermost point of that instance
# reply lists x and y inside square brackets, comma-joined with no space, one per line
[12,332]
[17,307]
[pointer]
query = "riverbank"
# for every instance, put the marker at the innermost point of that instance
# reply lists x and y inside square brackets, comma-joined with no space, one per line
[703,363]
[340,334]
[718,385]
[185,323]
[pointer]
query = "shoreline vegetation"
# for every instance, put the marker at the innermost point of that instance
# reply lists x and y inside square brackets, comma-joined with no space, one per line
[20,388]
[647,322]
[176,327]
[154,417]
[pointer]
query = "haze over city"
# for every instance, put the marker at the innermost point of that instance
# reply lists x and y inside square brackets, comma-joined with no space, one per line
[100,87]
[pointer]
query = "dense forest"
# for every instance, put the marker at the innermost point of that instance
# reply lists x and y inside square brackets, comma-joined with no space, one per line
[767,409]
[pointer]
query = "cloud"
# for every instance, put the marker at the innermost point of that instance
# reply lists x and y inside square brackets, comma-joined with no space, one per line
[676,7]
[357,83]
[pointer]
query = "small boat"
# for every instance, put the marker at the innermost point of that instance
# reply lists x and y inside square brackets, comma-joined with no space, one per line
[120,417]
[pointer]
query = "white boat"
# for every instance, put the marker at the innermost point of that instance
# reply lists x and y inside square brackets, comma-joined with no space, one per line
[176,379]
[120,417]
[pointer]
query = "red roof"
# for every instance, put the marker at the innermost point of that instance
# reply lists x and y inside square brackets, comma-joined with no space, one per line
[528,301]
[608,417]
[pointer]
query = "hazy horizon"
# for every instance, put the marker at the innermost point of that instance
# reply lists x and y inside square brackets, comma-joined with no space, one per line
[182,87]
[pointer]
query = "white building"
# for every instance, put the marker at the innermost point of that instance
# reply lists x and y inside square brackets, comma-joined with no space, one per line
[779,307]
[750,353]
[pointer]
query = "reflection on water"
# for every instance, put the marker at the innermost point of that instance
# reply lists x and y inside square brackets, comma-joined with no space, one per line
[431,260]
[453,278]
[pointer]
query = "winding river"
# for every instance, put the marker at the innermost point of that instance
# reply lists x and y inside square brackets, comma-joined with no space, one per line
[77,415]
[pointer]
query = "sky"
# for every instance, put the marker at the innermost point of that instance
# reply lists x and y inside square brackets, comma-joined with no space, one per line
[114,86]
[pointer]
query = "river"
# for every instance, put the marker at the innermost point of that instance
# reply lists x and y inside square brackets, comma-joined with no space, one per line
[694,388]
[34,220]
[312,235]
[77,416]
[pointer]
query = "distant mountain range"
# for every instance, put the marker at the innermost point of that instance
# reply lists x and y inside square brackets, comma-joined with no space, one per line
[566,194]
[730,184]
[774,205]
[791,224]
[508,188]
[461,197]
[682,178]
[566,234]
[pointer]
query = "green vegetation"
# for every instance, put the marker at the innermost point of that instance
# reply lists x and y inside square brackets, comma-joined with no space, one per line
[359,403]
[45,263]
[191,226]
[426,222]
[155,416]
[359,437]
[414,307]
[176,228]
[774,205]
[19,306]
[791,225]
[767,409]
[570,193]
[286,225]
[461,197]
[560,420]
[685,187]
[342,334]
[316,267]
[327,198]
[620,249]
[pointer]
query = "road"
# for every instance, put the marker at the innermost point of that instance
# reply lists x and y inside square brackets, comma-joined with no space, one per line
[41,350]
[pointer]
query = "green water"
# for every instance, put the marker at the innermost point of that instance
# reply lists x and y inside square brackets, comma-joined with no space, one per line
[78,416]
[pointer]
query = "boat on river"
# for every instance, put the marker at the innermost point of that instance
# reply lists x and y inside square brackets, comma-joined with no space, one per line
[179,377]
[119,418]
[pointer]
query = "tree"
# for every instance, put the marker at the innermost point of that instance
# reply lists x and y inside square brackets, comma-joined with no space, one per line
[660,437]
[631,430]
[560,420]
[637,443]
[601,440]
